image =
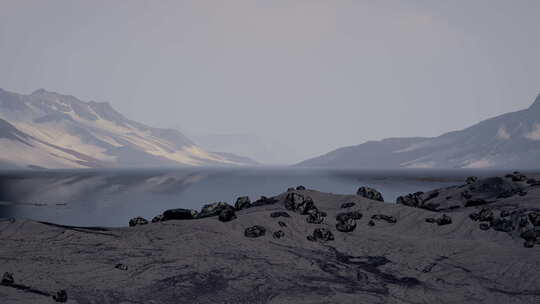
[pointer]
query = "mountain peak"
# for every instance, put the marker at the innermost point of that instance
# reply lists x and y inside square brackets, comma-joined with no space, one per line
[536,103]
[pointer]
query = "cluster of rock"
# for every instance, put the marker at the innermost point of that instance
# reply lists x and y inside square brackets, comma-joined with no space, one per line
[441,221]
[303,204]
[370,193]
[346,221]
[522,222]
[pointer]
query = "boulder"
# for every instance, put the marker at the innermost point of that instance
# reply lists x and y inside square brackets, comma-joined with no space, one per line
[179,214]
[347,225]
[254,231]
[370,193]
[475,202]
[158,218]
[60,296]
[299,203]
[503,225]
[242,202]
[279,214]
[355,215]
[381,217]
[7,279]
[444,220]
[213,209]
[282,224]
[412,199]
[290,189]
[321,235]
[534,217]
[371,223]
[315,217]
[227,215]
[484,226]
[300,188]
[264,201]
[471,180]
[484,215]
[347,205]
[137,221]
[278,234]
[121,267]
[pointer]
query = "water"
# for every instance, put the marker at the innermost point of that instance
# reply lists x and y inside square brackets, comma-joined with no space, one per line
[112,197]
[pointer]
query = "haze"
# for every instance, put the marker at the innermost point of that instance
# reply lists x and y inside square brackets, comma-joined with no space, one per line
[305,77]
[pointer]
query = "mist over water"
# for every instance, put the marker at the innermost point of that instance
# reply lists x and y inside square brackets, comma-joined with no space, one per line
[112,197]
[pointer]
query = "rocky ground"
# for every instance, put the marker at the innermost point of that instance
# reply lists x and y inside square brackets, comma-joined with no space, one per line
[473,243]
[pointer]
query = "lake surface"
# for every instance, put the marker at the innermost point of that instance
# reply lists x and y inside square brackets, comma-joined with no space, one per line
[112,197]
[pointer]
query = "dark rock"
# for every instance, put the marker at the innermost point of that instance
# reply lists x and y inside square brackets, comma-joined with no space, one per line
[484,226]
[60,296]
[299,203]
[7,279]
[254,231]
[121,267]
[370,193]
[412,199]
[213,209]
[503,225]
[179,214]
[347,225]
[504,213]
[485,215]
[158,218]
[282,224]
[137,221]
[531,181]
[381,217]
[355,215]
[348,205]
[444,220]
[518,177]
[264,201]
[227,215]
[431,220]
[475,202]
[528,244]
[471,180]
[534,217]
[300,188]
[290,189]
[278,234]
[466,194]
[371,223]
[523,222]
[242,202]
[315,217]
[321,235]
[522,193]
[279,214]
[530,235]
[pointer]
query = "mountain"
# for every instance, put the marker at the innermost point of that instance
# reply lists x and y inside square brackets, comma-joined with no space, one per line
[51,130]
[510,140]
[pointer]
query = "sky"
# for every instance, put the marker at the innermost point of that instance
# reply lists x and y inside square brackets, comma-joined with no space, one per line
[304,76]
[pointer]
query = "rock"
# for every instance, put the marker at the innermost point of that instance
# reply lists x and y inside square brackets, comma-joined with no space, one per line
[475,202]
[61,296]
[431,220]
[213,209]
[279,214]
[370,193]
[518,177]
[503,225]
[315,217]
[137,221]
[254,231]
[534,217]
[347,225]
[485,215]
[530,235]
[282,224]
[484,226]
[7,279]
[300,188]
[412,199]
[381,217]
[471,180]
[444,220]
[348,205]
[528,244]
[355,215]
[504,213]
[299,203]
[264,201]
[290,189]
[158,218]
[371,223]
[466,195]
[227,215]
[121,267]
[242,202]
[278,234]
[321,235]
[179,214]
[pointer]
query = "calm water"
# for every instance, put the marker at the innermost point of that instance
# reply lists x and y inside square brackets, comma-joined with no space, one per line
[112,197]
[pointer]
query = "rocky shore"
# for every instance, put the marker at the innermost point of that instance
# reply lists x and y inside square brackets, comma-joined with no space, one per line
[478,242]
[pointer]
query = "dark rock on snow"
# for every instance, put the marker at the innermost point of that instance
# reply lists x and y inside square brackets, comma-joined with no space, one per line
[370,193]
[321,235]
[254,231]
[7,279]
[61,296]
[227,215]
[213,209]
[121,266]
[348,205]
[264,201]
[299,203]
[279,214]
[355,215]
[242,202]
[471,180]
[137,221]
[282,224]
[179,214]
[347,225]
[278,234]
[381,217]
[300,188]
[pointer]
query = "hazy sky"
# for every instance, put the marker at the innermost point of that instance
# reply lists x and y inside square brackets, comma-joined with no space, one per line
[311,75]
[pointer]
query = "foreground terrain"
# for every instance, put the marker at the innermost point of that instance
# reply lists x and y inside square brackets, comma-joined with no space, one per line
[473,243]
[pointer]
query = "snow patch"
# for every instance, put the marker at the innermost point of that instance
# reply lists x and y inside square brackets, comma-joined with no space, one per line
[503,134]
[534,134]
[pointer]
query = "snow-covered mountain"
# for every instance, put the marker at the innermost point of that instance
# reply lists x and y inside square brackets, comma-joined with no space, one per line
[50,130]
[511,140]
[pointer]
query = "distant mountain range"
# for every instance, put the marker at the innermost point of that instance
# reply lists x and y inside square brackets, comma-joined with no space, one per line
[51,130]
[511,140]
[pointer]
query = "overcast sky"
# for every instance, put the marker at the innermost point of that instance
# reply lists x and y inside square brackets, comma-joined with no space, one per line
[311,75]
